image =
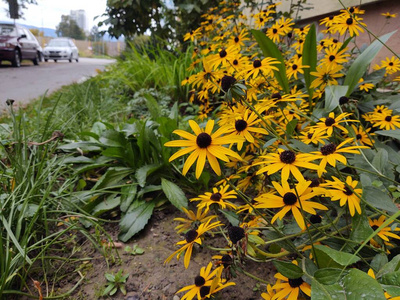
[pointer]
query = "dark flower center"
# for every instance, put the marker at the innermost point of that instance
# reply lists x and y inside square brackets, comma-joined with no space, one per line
[276,96]
[351,10]
[314,182]
[235,233]
[294,283]
[289,198]
[290,34]
[348,191]
[309,135]
[375,227]
[329,121]
[328,149]
[240,125]
[349,21]
[261,20]
[332,58]
[204,291]
[315,219]
[343,100]
[199,281]
[331,18]
[287,157]
[216,197]
[257,63]
[335,41]
[274,30]
[294,67]
[391,64]
[301,41]
[227,82]
[191,235]
[226,260]
[203,140]
[322,43]
[235,62]
[236,39]
[222,53]
[388,118]
[358,136]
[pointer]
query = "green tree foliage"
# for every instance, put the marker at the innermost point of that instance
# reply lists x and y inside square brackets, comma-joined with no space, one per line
[69,28]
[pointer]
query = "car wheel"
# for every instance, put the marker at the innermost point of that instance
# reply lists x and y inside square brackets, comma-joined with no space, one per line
[46,60]
[77,59]
[55,60]
[37,59]
[16,62]
[70,59]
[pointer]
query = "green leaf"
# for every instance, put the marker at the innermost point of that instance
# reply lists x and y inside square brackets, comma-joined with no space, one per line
[142,173]
[77,160]
[379,261]
[391,133]
[310,58]
[360,65]
[117,152]
[359,285]
[339,257]
[152,106]
[391,278]
[83,146]
[332,96]
[379,199]
[232,217]
[128,194]
[288,269]
[107,205]
[380,160]
[290,127]
[109,277]
[269,49]
[174,194]
[135,220]
[113,138]
[390,267]
[361,228]
[326,292]
[393,291]
[328,275]
[112,177]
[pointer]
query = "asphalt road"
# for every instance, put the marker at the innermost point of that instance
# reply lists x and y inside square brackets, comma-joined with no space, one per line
[29,82]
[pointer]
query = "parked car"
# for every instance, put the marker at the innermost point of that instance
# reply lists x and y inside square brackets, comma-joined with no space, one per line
[18,43]
[61,48]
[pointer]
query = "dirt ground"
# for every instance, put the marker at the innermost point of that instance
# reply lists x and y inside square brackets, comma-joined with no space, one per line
[150,279]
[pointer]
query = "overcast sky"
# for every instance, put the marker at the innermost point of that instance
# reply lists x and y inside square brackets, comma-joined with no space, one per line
[47,13]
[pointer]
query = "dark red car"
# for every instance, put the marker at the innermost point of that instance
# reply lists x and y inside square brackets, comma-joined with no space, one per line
[18,43]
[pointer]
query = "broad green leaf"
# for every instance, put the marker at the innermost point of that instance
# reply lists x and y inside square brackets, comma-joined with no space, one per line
[128,194]
[393,291]
[288,269]
[379,261]
[112,177]
[106,205]
[391,278]
[135,220]
[361,228]
[83,146]
[332,96]
[340,257]
[310,58]
[113,138]
[116,152]
[391,133]
[174,194]
[360,65]
[77,160]
[142,173]
[326,292]
[232,217]
[390,267]
[269,49]
[290,127]
[379,199]
[380,160]
[329,275]
[359,285]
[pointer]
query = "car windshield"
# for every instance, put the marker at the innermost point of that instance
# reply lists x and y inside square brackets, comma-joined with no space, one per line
[55,43]
[7,30]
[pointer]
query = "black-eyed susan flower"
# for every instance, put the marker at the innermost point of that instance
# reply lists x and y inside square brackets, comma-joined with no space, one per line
[290,199]
[313,136]
[334,56]
[365,86]
[295,67]
[392,65]
[224,56]
[193,236]
[218,196]
[264,66]
[202,282]
[327,125]
[388,15]
[350,23]
[287,161]
[269,295]
[386,122]
[346,193]
[386,232]
[239,39]
[326,75]
[290,288]
[331,153]
[193,220]
[363,136]
[192,35]
[204,145]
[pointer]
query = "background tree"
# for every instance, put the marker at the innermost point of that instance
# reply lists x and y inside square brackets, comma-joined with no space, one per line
[95,34]
[69,28]
[15,7]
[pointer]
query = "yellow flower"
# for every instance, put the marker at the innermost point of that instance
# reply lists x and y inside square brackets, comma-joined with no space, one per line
[192,35]
[327,125]
[204,144]
[363,136]
[326,75]
[341,191]
[333,56]
[193,219]
[385,232]
[192,237]
[350,23]
[258,66]
[387,122]
[392,65]
[287,161]
[290,288]
[217,197]
[388,15]
[289,199]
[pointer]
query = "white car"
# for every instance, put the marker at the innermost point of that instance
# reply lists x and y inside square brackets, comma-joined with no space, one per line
[61,48]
